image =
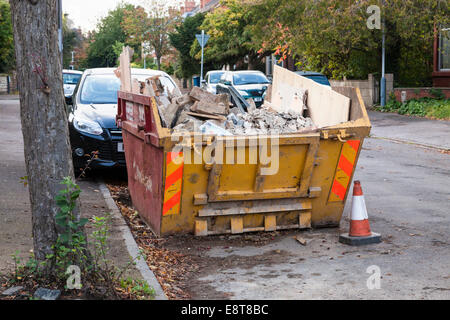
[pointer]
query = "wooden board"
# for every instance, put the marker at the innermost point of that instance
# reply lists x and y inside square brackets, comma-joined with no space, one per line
[124,70]
[325,106]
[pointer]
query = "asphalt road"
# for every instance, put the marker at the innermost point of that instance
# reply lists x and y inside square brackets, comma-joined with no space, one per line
[406,188]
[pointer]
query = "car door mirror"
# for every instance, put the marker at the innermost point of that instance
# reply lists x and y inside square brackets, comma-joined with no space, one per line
[69,100]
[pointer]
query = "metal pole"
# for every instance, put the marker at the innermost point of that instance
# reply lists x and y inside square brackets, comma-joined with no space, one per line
[143,55]
[383,67]
[201,69]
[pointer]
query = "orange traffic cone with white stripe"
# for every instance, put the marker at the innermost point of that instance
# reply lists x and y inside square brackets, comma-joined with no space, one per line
[359,233]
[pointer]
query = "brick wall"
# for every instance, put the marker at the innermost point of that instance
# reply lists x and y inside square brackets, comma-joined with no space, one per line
[417,93]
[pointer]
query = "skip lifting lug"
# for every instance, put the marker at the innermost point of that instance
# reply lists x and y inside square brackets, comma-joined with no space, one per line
[341,135]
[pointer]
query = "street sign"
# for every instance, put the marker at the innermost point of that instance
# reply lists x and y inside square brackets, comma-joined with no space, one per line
[202,40]
[205,39]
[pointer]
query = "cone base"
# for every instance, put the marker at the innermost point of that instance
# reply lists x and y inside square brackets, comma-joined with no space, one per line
[360,241]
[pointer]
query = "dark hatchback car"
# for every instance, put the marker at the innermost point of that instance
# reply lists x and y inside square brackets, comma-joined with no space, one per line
[315,76]
[92,116]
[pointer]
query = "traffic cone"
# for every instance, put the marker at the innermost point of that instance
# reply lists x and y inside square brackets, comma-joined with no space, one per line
[359,233]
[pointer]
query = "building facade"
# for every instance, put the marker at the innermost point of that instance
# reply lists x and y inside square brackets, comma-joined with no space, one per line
[441,61]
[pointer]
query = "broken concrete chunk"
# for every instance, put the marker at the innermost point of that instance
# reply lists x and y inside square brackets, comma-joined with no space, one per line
[223,98]
[189,124]
[200,94]
[183,100]
[47,294]
[211,128]
[161,112]
[207,107]
[163,100]
[252,104]
[12,291]
[171,114]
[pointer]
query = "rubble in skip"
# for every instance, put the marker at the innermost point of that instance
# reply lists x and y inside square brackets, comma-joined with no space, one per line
[266,121]
[203,112]
[208,113]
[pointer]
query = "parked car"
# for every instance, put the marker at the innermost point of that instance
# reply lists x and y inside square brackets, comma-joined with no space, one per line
[211,80]
[70,81]
[249,84]
[92,116]
[316,76]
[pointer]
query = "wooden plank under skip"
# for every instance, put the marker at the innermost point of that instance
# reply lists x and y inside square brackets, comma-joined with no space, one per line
[237,224]
[201,227]
[270,223]
[304,219]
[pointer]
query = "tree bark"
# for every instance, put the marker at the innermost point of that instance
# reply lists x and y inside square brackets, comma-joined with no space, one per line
[43,114]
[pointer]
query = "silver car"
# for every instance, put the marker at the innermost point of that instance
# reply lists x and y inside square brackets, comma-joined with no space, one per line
[211,80]
[70,80]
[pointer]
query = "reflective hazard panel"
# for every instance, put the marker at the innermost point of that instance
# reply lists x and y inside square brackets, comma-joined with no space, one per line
[344,170]
[173,182]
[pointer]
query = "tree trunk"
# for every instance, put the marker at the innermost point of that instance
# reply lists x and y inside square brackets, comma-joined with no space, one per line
[43,114]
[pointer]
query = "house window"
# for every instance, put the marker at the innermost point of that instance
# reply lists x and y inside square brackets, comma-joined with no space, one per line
[444,49]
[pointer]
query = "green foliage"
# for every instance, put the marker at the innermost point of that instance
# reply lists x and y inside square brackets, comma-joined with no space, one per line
[109,32]
[437,93]
[71,39]
[230,39]
[423,107]
[331,36]
[139,288]
[98,272]
[7,57]
[182,39]
[152,26]
[103,271]
[70,247]
[26,270]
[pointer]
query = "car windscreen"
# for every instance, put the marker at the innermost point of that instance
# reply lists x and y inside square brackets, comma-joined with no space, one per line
[249,78]
[319,79]
[71,78]
[215,77]
[102,89]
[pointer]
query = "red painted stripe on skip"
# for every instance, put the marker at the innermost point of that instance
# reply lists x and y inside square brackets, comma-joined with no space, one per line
[338,189]
[346,165]
[354,144]
[169,204]
[174,177]
[172,155]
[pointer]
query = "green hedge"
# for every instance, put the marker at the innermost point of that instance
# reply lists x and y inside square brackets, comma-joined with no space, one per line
[423,107]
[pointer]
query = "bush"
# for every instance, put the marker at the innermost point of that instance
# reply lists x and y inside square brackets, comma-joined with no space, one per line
[423,107]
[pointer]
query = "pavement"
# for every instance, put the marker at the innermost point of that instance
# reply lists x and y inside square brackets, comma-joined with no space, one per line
[15,213]
[404,170]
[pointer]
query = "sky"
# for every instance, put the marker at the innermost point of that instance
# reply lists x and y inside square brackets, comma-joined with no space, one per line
[86,13]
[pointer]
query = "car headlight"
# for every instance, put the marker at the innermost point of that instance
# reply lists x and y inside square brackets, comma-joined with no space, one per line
[243,93]
[88,126]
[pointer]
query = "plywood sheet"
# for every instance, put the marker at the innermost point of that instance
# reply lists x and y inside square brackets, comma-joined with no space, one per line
[326,107]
